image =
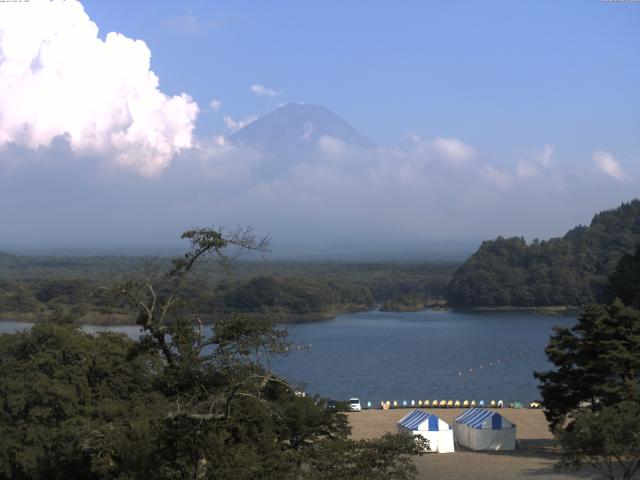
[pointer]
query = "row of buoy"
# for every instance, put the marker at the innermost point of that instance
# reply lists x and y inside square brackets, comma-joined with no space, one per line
[493,363]
[449,404]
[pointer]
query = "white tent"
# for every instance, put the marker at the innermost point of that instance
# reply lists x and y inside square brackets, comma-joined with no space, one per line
[429,426]
[480,429]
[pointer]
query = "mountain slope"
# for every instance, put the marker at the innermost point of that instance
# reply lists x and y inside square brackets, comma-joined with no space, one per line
[291,133]
[572,270]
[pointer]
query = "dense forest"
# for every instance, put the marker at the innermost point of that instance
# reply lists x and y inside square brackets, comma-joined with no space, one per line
[572,270]
[40,287]
[177,403]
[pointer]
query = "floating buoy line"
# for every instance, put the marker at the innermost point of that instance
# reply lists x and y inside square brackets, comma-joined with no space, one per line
[494,363]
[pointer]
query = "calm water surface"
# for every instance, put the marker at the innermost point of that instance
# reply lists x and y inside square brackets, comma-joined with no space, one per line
[423,355]
[419,355]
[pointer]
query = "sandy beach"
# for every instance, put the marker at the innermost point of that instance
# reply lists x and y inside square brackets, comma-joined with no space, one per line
[535,456]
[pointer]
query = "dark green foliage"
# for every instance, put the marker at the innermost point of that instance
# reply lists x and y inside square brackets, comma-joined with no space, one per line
[291,295]
[608,440]
[303,423]
[382,459]
[75,405]
[32,288]
[176,404]
[625,280]
[597,361]
[18,297]
[592,398]
[572,270]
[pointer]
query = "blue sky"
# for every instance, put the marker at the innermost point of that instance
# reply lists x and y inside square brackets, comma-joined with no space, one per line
[492,118]
[500,74]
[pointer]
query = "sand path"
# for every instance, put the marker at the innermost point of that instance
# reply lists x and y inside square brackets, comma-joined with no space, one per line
[535,457]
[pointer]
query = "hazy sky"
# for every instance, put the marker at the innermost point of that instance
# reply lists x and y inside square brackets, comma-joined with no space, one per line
[512,118]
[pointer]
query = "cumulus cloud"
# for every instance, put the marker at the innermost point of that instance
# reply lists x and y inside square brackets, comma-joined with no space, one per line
[263,91]
[58,78]
[336,191]
[609,165]
[448,149]
[215,104]
[453,150]
[234,125]
[332,146]
[66,96]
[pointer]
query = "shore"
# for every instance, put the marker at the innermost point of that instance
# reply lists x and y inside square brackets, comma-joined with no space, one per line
[536,455]
[99,319]
[548,310]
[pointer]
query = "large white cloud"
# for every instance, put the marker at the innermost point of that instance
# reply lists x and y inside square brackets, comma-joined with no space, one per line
[58,78]
[447,149]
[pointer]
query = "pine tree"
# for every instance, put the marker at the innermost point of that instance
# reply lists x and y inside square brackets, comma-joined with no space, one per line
[597,361]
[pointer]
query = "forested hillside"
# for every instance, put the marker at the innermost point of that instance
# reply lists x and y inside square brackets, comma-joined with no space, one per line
[37,288]
[178,403]
[572,270]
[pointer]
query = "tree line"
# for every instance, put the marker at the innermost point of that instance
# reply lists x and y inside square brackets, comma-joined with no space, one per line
[592,396]
[32,288]
[177,403]
[571,270]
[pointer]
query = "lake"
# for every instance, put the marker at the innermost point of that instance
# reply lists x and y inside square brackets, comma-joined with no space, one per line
[419,355]
[423,355]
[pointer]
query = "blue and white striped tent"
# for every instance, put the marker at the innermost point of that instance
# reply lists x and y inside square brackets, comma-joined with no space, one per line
[480,429]
[431,427]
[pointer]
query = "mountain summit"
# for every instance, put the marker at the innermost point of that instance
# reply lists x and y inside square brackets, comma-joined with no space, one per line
[291,133]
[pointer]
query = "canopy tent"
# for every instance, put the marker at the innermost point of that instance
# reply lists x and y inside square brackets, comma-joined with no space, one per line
[429,426]
[480,429]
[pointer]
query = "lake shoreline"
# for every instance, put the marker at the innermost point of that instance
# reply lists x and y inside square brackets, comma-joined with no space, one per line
[568,310]
[96,319]
[121,320]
